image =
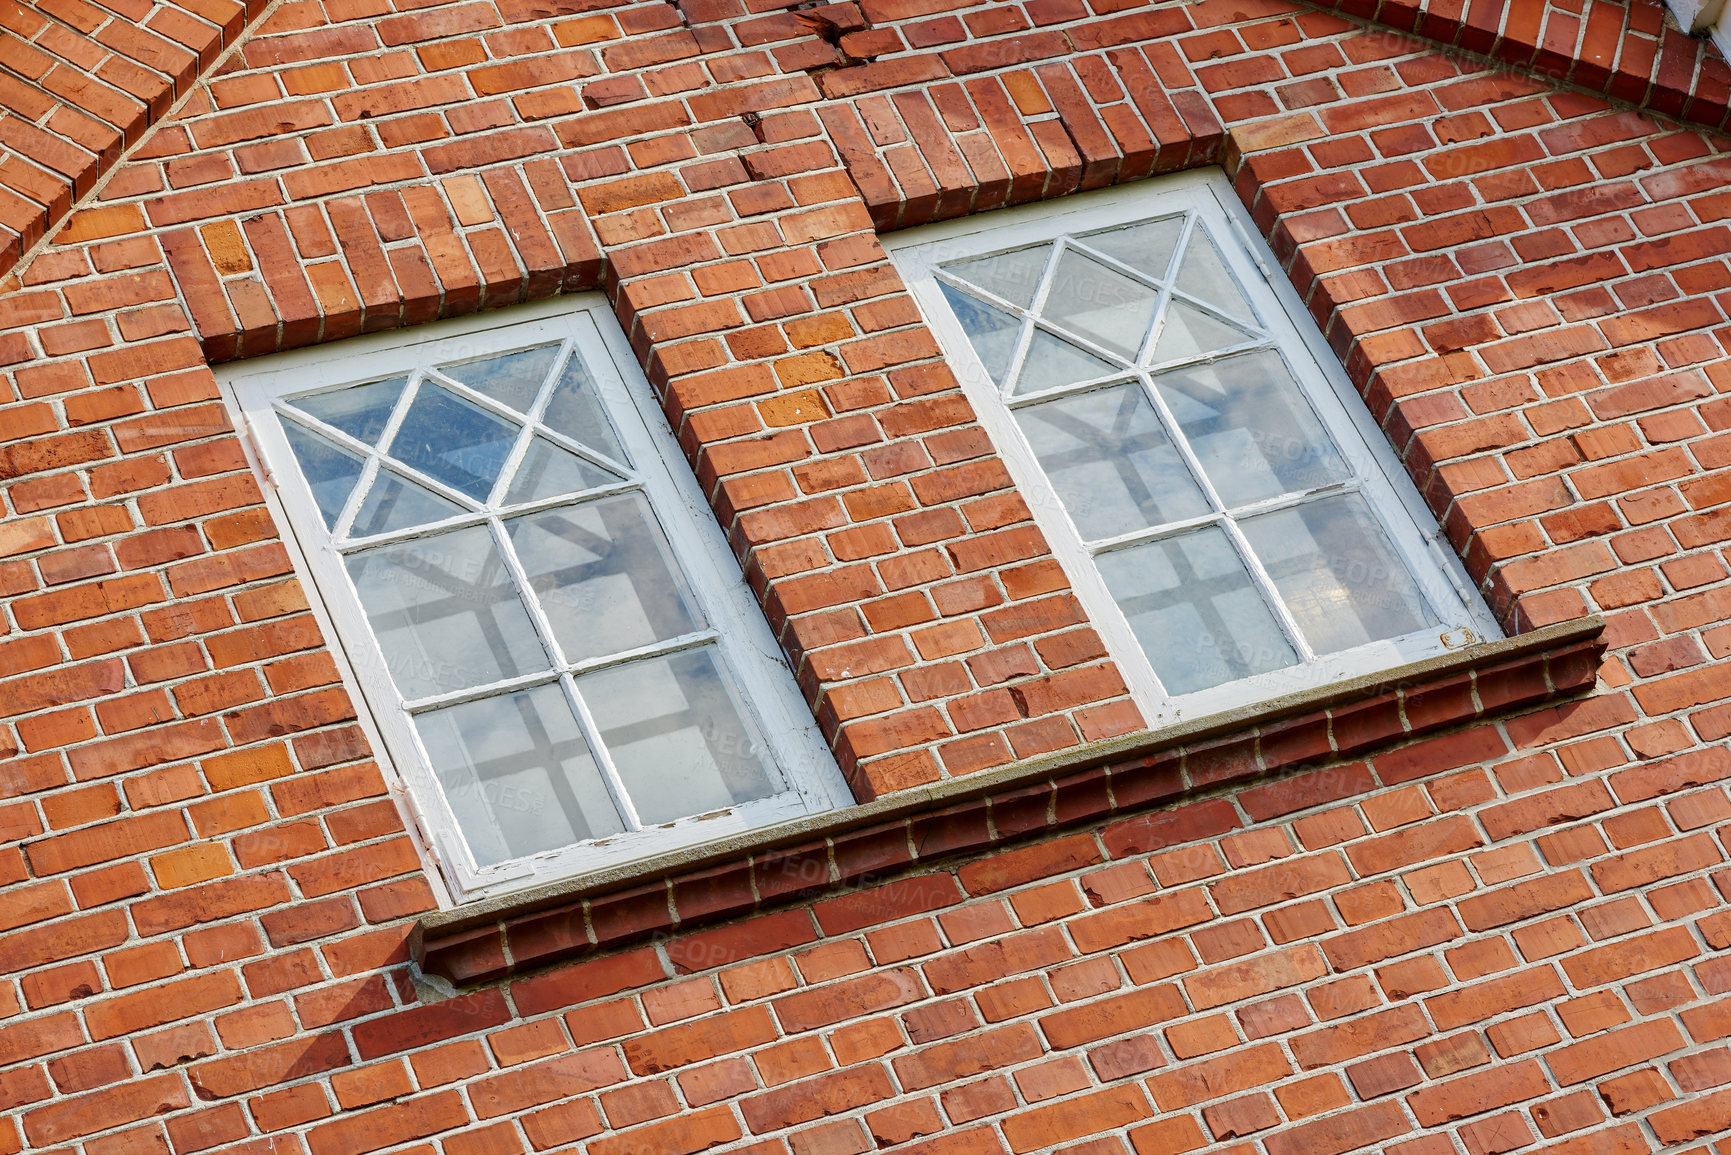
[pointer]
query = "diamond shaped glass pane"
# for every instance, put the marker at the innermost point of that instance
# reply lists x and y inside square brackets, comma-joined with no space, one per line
[512,378]
[1095,302]
[1013,276]
[453,441]
[330,470]
[1051,362]
[1204,275]
[396,502]
[605,576]
[1146,247]
[550,471]
[678,735]
[1188,332]
[1337,573]
[361,411]
[445,612]
[575,411]
[1110,461]
[518,774]
[991,331]
[1251,427]
[1193,606]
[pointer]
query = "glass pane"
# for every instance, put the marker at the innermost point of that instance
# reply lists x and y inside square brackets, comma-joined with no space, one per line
[549,471]
[1337,573]
[394,502]
[518,774]
[1189,332]
[1013,276]
[1193,608]
[453,441]
[1251,427]
[330,470]
[678,736]
[575,411]
[1106,307]
[1052,361]
[991,331]
[1204,275]
[361,411]
[604,576]
[514,378]
[445,612]
[1146,247]
[1111,462]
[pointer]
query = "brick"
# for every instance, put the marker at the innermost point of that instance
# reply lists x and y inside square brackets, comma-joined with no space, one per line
[1102,1110]
[1112,1016]
[1256,976]
[814,1098]
[384,1126]
[268,1066]
[82,1115]
[1214,1078]
[1343,1132]
[164,1003]
[119,839]
[544,1082]
[1363,1035]
[1630,957]
[966,1057]
[681,1045]
[1477,1093]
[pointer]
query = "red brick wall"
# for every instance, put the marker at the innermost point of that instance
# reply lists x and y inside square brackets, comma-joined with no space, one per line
[1505,935]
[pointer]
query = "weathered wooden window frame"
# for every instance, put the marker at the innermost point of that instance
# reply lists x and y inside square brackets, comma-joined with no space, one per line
[1411,528]
[811,781]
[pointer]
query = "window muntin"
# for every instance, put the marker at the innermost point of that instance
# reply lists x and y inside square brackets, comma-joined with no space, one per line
[554,641]
[1230,516]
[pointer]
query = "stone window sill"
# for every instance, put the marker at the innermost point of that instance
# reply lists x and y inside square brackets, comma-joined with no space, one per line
[1256,750]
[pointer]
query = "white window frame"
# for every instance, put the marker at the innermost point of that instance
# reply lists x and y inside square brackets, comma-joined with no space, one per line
[1410,526]
[811,780]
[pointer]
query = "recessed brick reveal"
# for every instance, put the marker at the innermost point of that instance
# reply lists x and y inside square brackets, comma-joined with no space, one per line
[1487,914]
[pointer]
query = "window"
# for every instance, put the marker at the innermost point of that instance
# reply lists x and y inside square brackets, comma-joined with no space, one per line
[553,640]
[1228,514]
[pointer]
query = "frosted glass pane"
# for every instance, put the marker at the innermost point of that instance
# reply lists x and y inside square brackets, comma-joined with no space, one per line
[1196,613]
[1204,275]
[1146,247]
[678,736]
[1111,462]
[1189,332]
[453,441]
[1252,429]
[575,411]
[1013,276]
[991,331]
[1051,362]
[1337,573]
[604,575]
[395,502]
[1104,306]
[445,612]
[330,471]
[361,411]
[513,378]
[518,774]
[549,471]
